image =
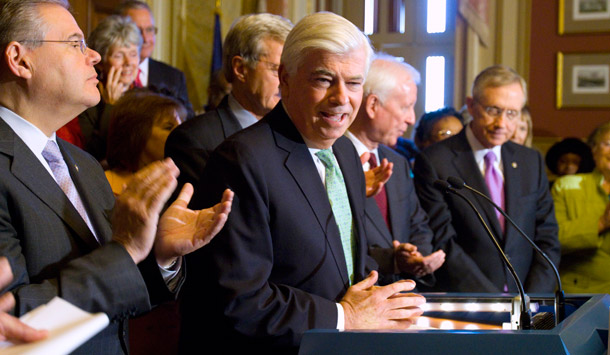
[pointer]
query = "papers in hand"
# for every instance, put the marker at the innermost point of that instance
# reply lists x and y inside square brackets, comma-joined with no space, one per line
[68,326]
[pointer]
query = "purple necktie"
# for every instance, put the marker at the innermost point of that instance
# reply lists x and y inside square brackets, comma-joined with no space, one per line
[495,185]
[60,170]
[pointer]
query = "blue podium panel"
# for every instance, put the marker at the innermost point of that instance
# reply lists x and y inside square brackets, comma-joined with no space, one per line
[585,331]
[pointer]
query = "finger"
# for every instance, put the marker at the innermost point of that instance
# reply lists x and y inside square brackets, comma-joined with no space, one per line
[7,302]
[185,196]
[6,274]
[365,157]
[368,282]
[395,288]
[404,313]
[13,329]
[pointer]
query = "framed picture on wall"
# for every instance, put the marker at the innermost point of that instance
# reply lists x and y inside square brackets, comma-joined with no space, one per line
[583,80]
[584,16]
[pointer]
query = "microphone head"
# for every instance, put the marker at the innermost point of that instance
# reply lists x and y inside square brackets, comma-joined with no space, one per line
[442,185]
[456,182]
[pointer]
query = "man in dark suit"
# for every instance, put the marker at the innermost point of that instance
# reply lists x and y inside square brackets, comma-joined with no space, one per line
[251,58]
[514,176]
[397,227]
[55,203]
[154,73]
[288,260]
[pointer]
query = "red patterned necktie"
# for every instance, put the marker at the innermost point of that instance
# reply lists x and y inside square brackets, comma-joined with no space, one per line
[381,198]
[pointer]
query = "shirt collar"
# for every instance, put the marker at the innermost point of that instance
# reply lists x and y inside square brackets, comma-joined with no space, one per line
[480,151]
[31,135]
[361,149]
[244,117]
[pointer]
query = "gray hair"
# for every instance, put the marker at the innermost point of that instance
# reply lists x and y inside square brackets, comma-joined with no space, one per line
[246,36]
[125,6]
[382,78]
[114,30]
[595,137]
[496,76]
[20,20]
[323,31]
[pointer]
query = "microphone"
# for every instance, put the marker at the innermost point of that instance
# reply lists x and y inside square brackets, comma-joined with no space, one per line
[560,302]
[525,316]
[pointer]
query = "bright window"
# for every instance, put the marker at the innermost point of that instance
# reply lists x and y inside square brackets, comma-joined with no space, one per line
[437,16]
[435,83]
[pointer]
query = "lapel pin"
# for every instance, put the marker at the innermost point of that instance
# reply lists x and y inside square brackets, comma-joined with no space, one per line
[514,165]
[76,167]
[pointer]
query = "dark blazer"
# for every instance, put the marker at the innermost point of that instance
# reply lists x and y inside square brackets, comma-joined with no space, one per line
[51,250]
[408,220]
[192,142]
[277,268]
[161,75]
[472,263]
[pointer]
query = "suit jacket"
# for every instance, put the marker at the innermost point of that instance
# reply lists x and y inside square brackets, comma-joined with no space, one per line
[161,75]
[408,220]
[191,143]
[277,268]
[472,263]
[51,250]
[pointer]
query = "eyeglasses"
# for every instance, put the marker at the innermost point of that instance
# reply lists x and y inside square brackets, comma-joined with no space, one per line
[445,133]
[274,68]
[77,42]
[152,30]
[495,111]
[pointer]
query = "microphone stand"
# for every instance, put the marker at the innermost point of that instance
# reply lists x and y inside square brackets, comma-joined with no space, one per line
[560,301]
[525,316]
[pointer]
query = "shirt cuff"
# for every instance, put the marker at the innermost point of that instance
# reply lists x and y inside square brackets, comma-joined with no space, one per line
[170,274]
[340,317]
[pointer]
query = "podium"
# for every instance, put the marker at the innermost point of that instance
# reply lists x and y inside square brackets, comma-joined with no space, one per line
[584,331]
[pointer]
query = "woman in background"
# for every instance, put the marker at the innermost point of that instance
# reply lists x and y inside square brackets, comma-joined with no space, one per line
[524,133]
[118,41]
[139,125]
[582,207]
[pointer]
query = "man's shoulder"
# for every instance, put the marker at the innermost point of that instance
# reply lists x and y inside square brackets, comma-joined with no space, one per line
[155,65]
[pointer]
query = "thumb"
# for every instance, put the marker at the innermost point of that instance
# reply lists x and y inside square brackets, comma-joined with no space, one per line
[365,157]
[185,196]
[368,282]
[395,244]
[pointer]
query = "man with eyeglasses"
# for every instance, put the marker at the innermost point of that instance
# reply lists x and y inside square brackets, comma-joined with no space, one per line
[512,175]
[251,58]
[153,73]
[61,229]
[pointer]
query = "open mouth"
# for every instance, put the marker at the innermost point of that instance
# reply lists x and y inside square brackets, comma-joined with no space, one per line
[334,117]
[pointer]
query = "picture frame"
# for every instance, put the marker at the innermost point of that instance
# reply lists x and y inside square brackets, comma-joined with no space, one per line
[584,16]
[583,80]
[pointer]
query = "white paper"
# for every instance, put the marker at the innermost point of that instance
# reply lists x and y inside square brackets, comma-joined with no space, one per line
[68,326]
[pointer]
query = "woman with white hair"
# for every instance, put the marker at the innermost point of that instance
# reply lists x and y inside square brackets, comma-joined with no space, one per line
[117,39]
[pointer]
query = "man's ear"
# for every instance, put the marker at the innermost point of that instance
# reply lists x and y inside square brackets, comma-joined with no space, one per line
[238,64]
[17,60]
[470,105]
[283,76]
[371,104]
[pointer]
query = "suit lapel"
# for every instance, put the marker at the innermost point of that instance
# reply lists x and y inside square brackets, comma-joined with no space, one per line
[87,193]
[28,169]
[229,122]
[302,168]
[512,181]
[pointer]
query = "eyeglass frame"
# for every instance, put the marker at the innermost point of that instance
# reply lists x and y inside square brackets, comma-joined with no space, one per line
[81,42]
[274,68]
[149,30]
[495,111]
